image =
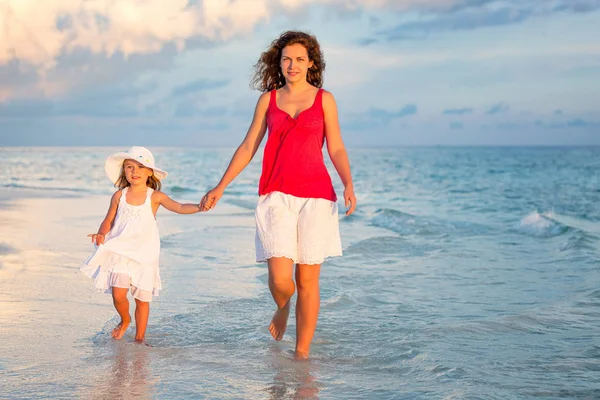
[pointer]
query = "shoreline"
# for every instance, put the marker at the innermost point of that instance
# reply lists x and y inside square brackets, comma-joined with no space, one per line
[47,306]
[45,309]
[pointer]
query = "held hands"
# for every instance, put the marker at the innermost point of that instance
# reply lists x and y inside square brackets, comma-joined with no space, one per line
[97,238]
[210,199]
[349,199]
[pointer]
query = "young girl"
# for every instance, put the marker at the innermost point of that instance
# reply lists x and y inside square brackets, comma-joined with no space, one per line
[128,243]
[297,214]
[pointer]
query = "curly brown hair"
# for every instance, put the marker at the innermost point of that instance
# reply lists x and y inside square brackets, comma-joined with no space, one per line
[267,71]
[122,182]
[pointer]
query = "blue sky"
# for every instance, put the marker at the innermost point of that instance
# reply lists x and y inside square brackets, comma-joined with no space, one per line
[404,72]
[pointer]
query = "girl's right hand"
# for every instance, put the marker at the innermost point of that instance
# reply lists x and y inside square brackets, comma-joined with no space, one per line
[97,238]
[210,199]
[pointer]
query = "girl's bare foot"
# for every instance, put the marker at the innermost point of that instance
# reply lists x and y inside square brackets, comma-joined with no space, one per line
[120,329]
[279,322]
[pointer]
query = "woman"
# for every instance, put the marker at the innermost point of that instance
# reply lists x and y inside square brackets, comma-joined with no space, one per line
[296,215]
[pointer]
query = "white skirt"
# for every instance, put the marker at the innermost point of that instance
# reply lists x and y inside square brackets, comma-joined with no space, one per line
[109,270]
[305,230]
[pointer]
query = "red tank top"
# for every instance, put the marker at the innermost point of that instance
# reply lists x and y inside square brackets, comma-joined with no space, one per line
[293,156]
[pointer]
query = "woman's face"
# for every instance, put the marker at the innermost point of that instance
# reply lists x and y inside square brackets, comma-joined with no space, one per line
[295,63]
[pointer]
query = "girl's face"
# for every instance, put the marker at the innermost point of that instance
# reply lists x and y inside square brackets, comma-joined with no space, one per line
[295,63]
[136,173]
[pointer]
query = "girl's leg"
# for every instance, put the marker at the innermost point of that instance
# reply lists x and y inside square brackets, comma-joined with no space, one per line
[122,306]
[282,289]
[142,312]
[307,306]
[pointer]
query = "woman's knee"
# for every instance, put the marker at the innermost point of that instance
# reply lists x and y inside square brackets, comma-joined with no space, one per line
[280,281]
[280,272]
[307,283]
[307,278]
[307,287]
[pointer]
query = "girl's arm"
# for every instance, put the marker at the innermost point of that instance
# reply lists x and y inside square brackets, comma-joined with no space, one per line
[106,225]
[243,155]
[172,205]
[337,150]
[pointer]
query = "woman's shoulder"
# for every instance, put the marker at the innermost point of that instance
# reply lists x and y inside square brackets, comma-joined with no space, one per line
[263,101]
[265,97]
[326,93]
[327,99]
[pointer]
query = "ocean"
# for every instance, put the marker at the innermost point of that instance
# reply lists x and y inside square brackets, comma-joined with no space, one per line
[468,273]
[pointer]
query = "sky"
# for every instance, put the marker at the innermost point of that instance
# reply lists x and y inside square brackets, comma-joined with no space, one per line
[403,72]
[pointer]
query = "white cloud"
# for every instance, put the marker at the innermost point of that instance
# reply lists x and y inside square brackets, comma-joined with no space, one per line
[38,32]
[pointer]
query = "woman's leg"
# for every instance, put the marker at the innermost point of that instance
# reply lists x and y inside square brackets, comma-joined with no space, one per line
[282,289]
[122,306]
[307,306]
[142,312]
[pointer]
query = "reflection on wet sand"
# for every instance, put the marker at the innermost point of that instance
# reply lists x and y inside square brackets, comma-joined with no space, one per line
[293,379]
[127,376]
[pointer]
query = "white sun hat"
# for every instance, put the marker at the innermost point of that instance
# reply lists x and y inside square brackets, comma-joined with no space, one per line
[114,162]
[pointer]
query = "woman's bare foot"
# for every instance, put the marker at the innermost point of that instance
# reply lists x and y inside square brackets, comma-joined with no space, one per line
[279,322]
[120,329]
[142,342]
[300,355]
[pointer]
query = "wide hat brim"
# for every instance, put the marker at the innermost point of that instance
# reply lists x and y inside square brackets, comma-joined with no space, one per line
[114,162]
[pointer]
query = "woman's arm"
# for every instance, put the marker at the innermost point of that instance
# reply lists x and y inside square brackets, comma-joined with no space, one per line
[174,206]
[243,155]
[337,150]
[106,225]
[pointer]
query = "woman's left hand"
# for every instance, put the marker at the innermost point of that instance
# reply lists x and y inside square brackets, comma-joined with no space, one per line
[210,199]
[349,199]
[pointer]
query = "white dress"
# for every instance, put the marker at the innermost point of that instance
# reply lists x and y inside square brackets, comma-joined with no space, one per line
[130,253]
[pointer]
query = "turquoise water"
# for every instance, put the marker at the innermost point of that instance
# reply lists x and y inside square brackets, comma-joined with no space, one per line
[467,273]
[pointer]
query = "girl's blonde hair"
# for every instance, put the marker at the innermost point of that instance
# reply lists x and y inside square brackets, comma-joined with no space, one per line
[122,182]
